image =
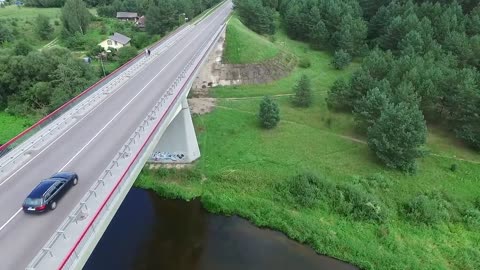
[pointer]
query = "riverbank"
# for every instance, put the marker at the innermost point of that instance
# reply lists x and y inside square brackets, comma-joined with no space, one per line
[361,212]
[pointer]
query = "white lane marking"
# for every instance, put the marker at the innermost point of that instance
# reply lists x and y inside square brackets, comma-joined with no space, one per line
[10,219]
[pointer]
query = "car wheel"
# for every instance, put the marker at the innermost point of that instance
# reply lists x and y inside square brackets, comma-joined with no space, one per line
[75,181]
[53,205]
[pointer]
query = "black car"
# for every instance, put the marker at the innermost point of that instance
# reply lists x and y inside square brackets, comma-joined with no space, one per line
[46,194]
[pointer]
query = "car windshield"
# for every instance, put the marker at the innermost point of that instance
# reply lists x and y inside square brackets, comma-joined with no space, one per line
[33,201]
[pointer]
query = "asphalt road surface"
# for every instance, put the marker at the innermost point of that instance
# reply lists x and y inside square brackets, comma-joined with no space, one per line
[88,147]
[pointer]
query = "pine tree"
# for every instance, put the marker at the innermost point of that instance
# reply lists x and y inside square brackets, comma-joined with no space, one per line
[269,113]
[303,92]
[398,135]
[369,109]
[341,59]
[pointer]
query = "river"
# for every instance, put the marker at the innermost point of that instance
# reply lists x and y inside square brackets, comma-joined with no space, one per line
[151,233]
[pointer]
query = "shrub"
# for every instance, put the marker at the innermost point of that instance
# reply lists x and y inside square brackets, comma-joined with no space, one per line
[476,203]
[356,203]
[126,53]
[269,113]
[75,42]
[341,59]
[426,210]
[375,181]
[305,188]
[94,51]
[304,62]
[471,218]
[453,167]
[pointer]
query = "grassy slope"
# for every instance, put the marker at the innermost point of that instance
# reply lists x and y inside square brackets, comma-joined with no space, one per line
[10,126]
[28,12]
[241,163]
[239,49]
[23,20]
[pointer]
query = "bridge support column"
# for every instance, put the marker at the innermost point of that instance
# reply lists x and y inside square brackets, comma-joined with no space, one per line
[178,143]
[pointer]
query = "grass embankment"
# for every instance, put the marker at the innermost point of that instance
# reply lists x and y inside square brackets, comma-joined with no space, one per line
[238,46]
[10,126]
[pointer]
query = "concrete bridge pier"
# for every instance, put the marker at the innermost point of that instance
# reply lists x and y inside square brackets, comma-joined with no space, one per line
[178,143]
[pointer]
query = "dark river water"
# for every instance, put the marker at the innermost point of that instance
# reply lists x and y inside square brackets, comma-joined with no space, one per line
[152,233]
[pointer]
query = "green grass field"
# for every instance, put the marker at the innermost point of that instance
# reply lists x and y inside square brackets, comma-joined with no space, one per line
[241,165]
[11,126]
[13,11]
[238,45]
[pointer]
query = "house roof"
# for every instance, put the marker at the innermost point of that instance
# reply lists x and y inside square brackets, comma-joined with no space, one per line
[141,21]
[120,38]
[127,15]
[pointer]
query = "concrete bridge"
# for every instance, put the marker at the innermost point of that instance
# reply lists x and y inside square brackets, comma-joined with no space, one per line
[106,134]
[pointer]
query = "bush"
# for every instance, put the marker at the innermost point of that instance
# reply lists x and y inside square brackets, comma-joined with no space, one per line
[471,218]
[341,59]
[305,188]
[476,203]
[304,62]
[94,51]
[126,53]
[356,203]
[269,113]
[453,167]
[373,182]
[75,42]
[426,210]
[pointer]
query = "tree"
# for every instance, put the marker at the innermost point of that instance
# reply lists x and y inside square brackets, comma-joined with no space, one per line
[341,59]
[43,27]
[161,18]
[75,17]
[398,135]
[351,35]
[339,96]
[303,92]
[369,109]
[269,113]
[22,48]
[126,53]
[256,16]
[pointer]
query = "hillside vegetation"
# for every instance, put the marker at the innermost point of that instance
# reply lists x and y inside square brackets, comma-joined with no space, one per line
[238,48]
[314,178]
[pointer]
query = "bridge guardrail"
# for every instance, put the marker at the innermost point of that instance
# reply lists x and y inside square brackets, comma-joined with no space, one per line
[108,181]
[9,152]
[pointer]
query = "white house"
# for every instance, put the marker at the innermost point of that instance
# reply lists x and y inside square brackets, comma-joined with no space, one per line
[116,41]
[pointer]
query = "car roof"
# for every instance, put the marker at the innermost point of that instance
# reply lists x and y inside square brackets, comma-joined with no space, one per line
[43,186]
[65,175]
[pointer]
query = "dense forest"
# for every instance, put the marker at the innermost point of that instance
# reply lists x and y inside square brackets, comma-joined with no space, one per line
[420,63]
[35,82]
